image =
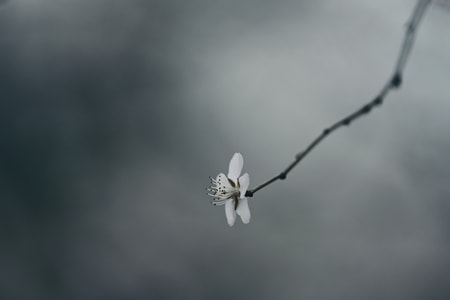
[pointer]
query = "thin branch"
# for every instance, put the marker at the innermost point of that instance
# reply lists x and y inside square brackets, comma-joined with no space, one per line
[394,82]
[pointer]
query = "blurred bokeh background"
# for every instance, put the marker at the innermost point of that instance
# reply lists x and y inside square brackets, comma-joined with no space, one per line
[113,113]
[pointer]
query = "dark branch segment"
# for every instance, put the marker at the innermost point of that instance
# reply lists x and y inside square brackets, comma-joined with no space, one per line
[394,82]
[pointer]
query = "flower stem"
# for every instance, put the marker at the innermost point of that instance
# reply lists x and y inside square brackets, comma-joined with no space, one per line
[394,82]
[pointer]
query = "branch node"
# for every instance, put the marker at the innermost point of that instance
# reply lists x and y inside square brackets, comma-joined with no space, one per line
[326,131]
[248,193]
[282,176]
[396,80]
[366,109]
[378,100]
[347,122]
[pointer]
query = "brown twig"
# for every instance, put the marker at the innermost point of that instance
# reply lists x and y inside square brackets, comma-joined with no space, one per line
[394,82]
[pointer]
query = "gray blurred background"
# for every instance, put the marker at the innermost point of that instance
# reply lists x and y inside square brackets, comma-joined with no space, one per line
[113,113]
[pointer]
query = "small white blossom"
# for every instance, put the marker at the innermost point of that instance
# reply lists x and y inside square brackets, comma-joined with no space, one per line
[230,190]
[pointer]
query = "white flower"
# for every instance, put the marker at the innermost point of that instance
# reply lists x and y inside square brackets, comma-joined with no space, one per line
[230,190]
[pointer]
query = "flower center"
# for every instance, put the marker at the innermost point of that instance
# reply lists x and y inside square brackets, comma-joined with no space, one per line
[234,184]
[224,188]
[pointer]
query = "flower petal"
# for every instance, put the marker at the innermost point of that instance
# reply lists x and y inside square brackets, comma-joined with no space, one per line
[244,182]
[235,167]
[230,213]
[223,180]
[243,211]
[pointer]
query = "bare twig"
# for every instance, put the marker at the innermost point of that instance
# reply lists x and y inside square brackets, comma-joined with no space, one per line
[394,82]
